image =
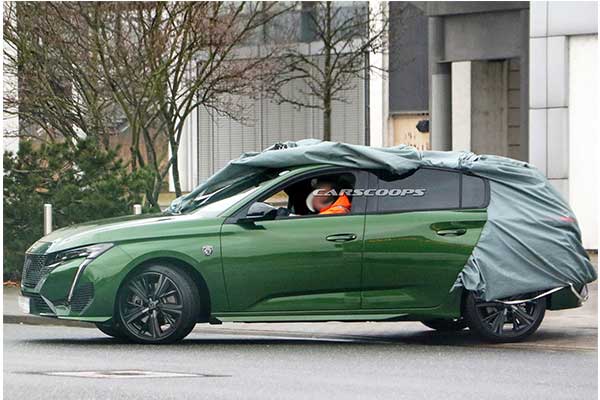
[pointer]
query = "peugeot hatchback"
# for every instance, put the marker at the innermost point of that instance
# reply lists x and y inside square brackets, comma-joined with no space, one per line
[257,247]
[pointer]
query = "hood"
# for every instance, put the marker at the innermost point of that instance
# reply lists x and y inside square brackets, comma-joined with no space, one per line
[128,228]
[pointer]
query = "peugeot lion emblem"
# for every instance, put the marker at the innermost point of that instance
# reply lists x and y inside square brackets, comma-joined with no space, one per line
[207,250]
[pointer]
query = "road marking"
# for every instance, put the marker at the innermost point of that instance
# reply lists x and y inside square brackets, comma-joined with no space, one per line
[126,374]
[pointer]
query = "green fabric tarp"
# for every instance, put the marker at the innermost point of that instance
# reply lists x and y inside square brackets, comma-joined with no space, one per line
[530,242]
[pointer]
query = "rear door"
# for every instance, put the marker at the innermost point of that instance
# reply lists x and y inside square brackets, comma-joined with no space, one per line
[420,230]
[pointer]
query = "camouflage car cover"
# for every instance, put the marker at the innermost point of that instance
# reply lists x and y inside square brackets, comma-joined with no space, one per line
[531,241]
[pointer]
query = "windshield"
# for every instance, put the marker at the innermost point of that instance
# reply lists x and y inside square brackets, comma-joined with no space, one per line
[211,200]
[216,208]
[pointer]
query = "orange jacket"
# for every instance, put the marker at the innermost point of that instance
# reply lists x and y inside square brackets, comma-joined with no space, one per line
[340,206]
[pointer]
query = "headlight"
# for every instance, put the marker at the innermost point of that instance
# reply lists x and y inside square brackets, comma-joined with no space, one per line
[89,252]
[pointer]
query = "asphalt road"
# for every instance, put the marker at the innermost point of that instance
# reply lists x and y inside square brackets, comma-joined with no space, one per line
[249,366]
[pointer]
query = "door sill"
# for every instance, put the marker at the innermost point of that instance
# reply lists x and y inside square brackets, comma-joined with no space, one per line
[303,316]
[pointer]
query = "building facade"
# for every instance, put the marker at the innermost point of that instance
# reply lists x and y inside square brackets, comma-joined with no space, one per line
[211,140]
[563,104]
[517,79]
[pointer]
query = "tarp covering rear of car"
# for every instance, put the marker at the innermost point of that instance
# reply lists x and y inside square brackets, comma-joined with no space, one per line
[531,241]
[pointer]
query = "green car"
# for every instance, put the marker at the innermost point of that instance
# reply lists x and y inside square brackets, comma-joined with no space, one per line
[258,248]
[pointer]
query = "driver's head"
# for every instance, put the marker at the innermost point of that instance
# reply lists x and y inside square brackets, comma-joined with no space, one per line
[325,195]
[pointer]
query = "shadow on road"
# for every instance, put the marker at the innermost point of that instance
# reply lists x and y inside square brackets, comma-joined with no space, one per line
[544,339]
[425,338]
[193,342]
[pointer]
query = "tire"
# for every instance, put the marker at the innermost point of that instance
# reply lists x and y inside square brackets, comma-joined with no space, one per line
[157,304]
[502,323]
[446,325]
[109,328]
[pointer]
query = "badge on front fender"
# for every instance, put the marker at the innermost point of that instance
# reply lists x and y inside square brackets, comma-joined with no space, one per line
[207,250]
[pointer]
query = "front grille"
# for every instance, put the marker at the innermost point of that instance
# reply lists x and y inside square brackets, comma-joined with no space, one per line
[82,296]
[41,307]
[34,269]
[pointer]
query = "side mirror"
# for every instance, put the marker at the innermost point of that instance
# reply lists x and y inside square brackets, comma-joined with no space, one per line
[259,212]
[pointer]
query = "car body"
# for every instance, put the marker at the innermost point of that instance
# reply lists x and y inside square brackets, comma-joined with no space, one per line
[394,257]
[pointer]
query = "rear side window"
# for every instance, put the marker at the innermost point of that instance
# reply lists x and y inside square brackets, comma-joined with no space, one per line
[473,192]
[428,189]
[425,189]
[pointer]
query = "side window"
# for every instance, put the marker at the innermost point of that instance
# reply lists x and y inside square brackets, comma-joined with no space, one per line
[425,189]
[296,199]
[473,192]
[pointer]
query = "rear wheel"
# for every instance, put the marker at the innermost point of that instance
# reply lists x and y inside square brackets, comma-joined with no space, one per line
[158,304]
[446,325]
[500,322]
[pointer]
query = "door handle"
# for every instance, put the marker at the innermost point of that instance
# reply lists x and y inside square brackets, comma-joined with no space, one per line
[452,232]
[341,237]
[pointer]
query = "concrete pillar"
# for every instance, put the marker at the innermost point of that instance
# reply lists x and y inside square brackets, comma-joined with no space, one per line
[461,106]
[378,82]
[440,88]
[524,87]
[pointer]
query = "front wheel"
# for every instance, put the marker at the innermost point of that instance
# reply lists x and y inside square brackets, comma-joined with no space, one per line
[109,328]
[157,304]
[503,323]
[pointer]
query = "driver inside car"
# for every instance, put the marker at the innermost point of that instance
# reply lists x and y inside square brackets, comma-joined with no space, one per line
[326,199]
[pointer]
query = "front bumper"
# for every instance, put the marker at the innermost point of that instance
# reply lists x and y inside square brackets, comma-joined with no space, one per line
[94,290]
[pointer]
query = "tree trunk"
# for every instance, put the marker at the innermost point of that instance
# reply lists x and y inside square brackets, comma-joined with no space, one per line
[175,165]
[327,119]
[134,156]
[134,148]
[328,75]
[153,195]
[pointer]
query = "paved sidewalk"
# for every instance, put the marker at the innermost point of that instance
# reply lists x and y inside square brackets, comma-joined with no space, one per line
[575,329]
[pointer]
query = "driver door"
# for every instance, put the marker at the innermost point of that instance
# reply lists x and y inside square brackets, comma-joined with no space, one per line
[295,263]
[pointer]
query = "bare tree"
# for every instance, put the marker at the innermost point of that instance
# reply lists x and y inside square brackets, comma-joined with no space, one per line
[188,55]
[346,34]
[157,62]
[57,93]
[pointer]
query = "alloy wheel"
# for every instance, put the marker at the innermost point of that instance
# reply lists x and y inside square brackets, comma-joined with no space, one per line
[151,306]
[508,320]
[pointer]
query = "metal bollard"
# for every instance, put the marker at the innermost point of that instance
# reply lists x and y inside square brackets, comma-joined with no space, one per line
[47,219]
[137,209]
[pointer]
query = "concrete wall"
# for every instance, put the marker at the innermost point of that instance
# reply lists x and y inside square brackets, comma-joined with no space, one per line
[409,83]
[489,107]
[556,86]
[483,115]
[515,123]
[487,33]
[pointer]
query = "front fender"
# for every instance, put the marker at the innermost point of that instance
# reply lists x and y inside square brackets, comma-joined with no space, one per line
[186,250]
[108,272]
